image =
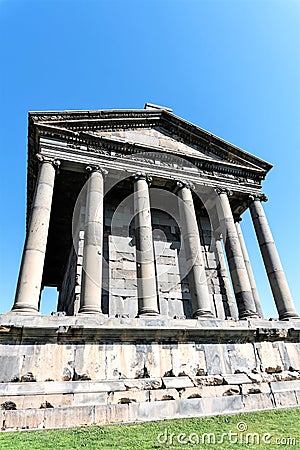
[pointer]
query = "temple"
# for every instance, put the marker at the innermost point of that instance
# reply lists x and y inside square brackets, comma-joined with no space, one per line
[134,216]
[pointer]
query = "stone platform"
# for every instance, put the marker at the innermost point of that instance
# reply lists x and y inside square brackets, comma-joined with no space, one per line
[64,371]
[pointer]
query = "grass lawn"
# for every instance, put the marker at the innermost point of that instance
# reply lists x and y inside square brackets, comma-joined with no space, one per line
[261,430]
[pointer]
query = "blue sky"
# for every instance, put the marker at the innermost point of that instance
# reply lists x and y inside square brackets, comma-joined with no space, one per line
[229,66]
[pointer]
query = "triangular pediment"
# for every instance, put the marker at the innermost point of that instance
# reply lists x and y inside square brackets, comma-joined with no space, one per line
[158,139]
[151,130]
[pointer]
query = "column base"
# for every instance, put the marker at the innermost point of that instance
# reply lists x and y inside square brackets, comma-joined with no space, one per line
[147,312]
[202,314]
[289,315]
[25,309]
[87,310]
[249,315]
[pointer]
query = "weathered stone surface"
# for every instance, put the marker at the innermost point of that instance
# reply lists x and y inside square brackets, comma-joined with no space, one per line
[293,352]
[91,399]
[242,357]
[128,397]
[208,380]
[147,383]
[286,398]
[23,420]
[257,401]
[287,376]
[282,386]
[136,369]
[164,395]
[222,405]
[112,413]
[219,391]
[10,368]
[72,387]
[268,378]
[8,405]
[217,360]
[255,377]
[191,392]
[256,388]
[177,382]
[237,378]
[69,417]
[35,401]
[153,410]
[270,357]
[192,407]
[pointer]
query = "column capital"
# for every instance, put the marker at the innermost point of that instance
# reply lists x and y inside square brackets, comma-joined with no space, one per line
[142,176]
[46,159]
[220,190]
[95,168]
[261,197]
[184,184]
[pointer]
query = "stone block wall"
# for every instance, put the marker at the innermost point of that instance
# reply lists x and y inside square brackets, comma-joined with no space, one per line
[119,293]
[69,295]
[76,371]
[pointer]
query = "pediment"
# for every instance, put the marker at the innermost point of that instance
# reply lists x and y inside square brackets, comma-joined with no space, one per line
[158,139]
[150,130]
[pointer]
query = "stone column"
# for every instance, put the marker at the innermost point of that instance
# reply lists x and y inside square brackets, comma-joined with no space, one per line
[224,276]
[249,268]
[31,271]
[238,272]
[146,281]
[280,289]
[90,297]
[201,301]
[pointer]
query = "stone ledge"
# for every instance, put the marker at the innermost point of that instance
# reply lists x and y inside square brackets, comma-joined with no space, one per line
[177,382]
[72,416]
[14,327]
[283,386]
[60,387]
[204,385]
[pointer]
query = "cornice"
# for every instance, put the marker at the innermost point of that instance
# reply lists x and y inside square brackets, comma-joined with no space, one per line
[101,144]
[212,142]
[120,119]
[131,163]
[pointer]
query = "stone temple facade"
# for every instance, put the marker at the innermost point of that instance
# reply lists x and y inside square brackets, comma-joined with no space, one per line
[134,216]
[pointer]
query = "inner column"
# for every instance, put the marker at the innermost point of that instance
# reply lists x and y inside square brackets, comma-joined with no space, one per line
[201,300]
[249,268]
[236,263]
[90,297]
[146,281]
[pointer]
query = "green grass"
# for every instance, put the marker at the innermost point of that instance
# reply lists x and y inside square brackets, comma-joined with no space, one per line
[275,429]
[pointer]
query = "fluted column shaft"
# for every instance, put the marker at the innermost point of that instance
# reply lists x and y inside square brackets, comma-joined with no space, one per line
[32,265]
[201,301]
[90,297]
[249,270]
[146,281]
[238,272]
[280,289]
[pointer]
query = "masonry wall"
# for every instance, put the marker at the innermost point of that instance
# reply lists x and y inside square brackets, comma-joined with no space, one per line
[69,295]
[62,371]
[110,360]
[119,293]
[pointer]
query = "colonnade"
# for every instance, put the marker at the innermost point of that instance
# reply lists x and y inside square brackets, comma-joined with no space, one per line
[248,303]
